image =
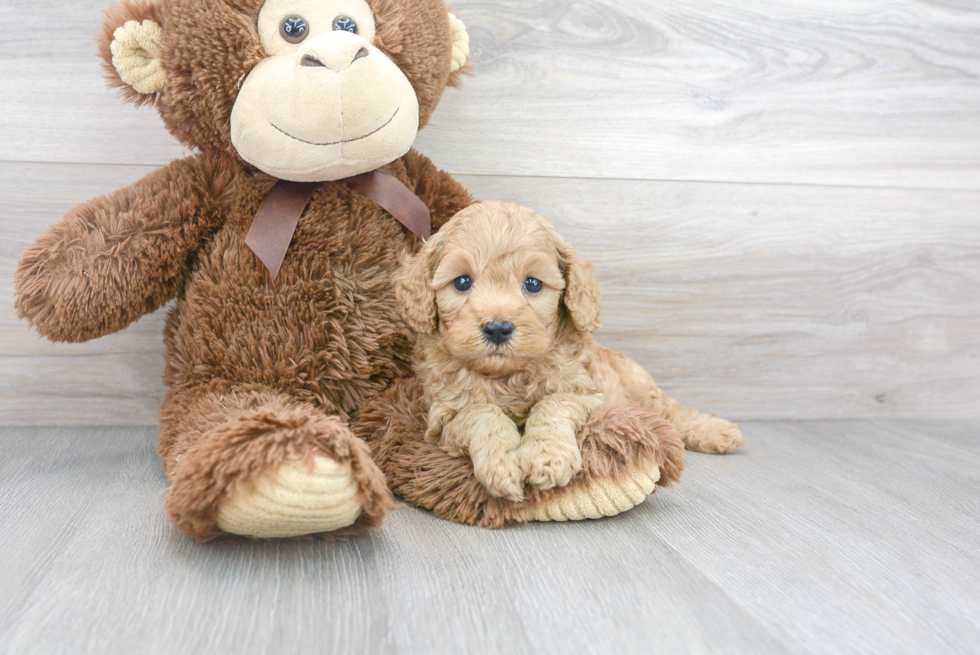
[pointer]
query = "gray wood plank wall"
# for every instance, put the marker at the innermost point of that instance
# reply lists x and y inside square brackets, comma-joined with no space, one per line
[782,198]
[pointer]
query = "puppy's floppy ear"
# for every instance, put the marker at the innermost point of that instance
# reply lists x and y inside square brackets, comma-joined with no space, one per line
[413,287]
[582,298]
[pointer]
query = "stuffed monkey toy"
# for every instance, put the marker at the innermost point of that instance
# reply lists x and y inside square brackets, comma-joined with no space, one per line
[278,239]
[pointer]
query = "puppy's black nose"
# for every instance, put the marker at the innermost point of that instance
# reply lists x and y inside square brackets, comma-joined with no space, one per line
[498,332]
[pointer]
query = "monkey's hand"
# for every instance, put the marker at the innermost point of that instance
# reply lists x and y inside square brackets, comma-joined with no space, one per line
[117,257]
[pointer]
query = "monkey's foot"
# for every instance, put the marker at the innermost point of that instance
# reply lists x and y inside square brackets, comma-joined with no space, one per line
[296,499]
[599,498]
[276,472]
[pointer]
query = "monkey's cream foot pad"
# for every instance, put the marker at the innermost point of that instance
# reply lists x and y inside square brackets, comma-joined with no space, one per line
[598,498]
[292,501]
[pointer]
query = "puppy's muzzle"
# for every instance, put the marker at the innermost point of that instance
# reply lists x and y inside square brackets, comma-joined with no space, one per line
[498,332]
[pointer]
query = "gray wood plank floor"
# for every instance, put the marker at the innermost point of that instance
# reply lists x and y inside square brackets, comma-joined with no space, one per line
[839,537]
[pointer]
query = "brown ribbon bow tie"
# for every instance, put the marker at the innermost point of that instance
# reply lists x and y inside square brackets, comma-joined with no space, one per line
[275,223]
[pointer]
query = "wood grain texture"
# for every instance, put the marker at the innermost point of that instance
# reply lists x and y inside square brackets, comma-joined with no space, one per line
[824,299]
[751,301]
[813,92]
[845,537]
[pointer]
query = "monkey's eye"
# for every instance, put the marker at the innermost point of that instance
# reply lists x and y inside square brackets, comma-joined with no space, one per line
[533,285]
[463,283]
[294,29]
[343,23]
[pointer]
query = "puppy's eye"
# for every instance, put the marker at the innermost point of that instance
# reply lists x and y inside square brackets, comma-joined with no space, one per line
[294,29]
[533,285]
[463,283]
[344,24]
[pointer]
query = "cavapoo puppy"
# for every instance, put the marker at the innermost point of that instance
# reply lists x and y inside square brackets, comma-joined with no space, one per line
[505,313]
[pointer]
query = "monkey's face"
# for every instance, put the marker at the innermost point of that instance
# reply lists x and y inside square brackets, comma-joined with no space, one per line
[304,90]
[325,103]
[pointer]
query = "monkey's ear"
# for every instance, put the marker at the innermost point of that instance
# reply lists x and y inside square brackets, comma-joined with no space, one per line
[461,49]
[583,298]
[413,288]
[129,45]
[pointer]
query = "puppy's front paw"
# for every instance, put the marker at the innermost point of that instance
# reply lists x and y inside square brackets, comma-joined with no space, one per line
[716,436]
[501,475]
[549,463]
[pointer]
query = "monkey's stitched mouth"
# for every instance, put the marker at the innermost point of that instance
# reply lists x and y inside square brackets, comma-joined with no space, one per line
[334,143]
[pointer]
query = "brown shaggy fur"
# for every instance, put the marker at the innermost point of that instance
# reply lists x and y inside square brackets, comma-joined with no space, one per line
[257,369]
[613,441]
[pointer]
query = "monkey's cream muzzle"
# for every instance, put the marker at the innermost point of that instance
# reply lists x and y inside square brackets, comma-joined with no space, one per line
[333,108]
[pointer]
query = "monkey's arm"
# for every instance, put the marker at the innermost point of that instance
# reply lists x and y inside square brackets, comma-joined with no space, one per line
[113,259]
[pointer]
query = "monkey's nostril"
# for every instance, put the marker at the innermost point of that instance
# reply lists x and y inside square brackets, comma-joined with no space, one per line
[498,332]
[363,52]
[310,60]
